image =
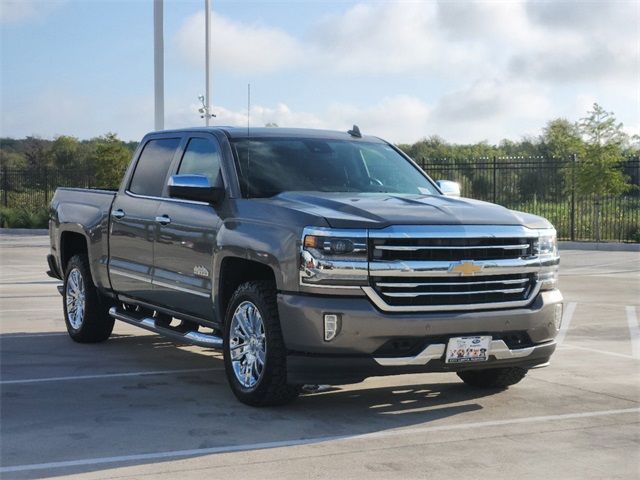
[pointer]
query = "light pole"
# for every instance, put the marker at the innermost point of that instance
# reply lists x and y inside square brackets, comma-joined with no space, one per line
[207,54]
[158,63]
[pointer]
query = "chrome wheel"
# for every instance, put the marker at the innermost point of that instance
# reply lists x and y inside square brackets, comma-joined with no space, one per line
[247,344]
[75,298]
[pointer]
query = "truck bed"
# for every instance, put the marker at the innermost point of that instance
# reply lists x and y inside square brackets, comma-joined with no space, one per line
[83,211]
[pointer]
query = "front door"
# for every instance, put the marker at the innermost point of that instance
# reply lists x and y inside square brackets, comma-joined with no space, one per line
[133,221]
[183,260]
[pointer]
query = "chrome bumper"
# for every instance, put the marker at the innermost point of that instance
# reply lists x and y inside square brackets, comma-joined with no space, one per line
[497,349]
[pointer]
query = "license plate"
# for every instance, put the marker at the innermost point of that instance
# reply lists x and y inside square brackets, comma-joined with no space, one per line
[468,349]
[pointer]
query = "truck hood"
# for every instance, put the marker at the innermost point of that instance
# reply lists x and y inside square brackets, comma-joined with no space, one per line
[378,210]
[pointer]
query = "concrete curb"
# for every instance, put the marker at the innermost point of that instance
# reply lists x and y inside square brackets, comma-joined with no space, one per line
[24,231]
[605,247]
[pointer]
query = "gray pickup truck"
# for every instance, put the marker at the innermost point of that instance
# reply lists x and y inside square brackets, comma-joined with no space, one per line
[308,257]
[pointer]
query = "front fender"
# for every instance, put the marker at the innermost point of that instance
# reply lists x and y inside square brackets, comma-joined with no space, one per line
[273,245]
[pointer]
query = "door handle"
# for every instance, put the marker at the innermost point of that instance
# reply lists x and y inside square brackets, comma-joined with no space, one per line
[163,220]
[118,213]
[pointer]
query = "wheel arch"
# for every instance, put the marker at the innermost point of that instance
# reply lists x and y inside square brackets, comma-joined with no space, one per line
[71,243]
[233,272]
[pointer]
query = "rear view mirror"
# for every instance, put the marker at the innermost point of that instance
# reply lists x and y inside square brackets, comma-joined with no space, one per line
[449,188]
[196,187]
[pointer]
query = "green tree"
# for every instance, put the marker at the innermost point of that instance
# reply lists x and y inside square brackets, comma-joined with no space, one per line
[561,143]
[561,139]
[10,159]
[109,159]
[598,173]
[66,152]
[37,152]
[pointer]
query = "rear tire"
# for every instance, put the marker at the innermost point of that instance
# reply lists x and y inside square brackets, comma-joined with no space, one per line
[501,378]
[255,357]
[85,309]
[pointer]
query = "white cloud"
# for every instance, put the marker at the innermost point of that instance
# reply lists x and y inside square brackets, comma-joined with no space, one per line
[16,11]
[492,110]
[551,41]
[388,38]
[399,119]
[237,47]
[491,69]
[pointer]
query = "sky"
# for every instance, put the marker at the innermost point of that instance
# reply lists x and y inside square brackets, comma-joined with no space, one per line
[467,71]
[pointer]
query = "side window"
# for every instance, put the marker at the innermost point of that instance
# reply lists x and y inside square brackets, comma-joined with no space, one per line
[201,157]
[151,170]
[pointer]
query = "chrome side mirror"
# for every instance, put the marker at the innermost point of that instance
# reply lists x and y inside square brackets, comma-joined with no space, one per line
[196,187]
[449,188]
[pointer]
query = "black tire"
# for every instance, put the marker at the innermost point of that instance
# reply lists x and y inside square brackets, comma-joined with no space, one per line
[95,324]
[271,388]
[493,377]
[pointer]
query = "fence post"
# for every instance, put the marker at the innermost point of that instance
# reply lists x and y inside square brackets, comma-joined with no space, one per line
[5,186]
[573,197]
[46,186]
[494,179]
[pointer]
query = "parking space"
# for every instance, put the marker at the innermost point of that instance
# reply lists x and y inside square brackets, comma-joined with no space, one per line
[140,406]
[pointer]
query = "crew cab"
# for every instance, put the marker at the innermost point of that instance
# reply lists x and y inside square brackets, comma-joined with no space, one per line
[307,257]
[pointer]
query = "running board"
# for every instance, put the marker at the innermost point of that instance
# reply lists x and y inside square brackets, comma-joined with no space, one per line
[192,337]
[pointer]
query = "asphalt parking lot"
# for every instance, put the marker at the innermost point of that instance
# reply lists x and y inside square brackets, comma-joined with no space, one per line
[139,406]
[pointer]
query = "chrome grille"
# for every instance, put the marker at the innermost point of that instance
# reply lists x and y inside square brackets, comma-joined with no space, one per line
[424,268]
[451,249]
[421,291]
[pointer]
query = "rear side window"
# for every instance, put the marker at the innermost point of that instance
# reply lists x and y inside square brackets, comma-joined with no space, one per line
[201,157]
[152,167]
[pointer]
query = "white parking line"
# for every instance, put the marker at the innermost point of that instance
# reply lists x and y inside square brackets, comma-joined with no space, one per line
[105,375]
[51,309]
[6,336]
[566,321]
[634,331]
[595,350]
[306,441]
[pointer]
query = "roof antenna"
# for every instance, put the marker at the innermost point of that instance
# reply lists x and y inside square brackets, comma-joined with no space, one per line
[355,132]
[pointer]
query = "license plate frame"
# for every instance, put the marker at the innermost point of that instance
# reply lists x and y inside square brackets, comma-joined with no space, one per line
[468,349]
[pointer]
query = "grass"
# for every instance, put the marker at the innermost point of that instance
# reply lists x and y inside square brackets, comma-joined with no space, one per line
[619,220]
[24,217]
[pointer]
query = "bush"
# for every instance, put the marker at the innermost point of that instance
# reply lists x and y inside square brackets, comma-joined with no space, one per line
[24,217]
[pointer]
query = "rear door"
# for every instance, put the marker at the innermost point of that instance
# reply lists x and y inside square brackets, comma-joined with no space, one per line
[133,220]
[186,239]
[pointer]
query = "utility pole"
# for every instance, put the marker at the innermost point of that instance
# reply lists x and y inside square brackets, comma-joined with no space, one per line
[158,63]
[207,61]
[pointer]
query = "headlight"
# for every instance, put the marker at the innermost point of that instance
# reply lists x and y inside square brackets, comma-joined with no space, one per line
[337,245]
[547,243]
[546,248]
[333,258]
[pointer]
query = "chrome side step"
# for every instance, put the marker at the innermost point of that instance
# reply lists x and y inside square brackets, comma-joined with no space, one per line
[191,338]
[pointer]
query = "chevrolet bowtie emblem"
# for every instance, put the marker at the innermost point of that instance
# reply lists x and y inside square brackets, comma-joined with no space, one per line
[465,268]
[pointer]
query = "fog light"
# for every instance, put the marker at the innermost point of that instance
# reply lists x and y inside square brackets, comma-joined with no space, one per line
[558,316]
[331,326]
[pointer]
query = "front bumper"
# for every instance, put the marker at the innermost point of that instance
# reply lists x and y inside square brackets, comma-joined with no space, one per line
[354,354]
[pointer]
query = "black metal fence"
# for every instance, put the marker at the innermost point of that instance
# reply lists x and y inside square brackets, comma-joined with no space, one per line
[537,185]
[543,186]
[33,188]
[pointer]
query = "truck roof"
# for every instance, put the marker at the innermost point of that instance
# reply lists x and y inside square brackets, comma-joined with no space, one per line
[273,132]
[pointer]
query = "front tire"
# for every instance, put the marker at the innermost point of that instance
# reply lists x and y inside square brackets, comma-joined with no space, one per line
[85,309]
[500,378]
[254,351]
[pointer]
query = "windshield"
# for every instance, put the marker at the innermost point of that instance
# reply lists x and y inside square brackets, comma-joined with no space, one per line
[269,166]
